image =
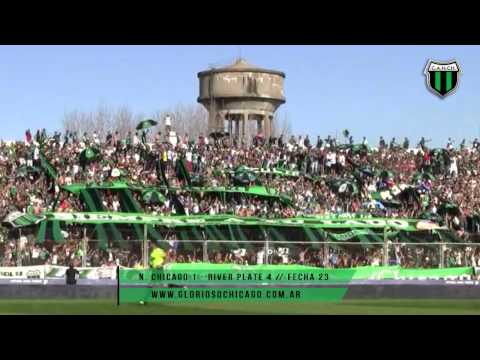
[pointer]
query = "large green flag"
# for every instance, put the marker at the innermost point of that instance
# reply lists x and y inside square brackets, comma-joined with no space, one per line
[343,186]
[449,208]
[152,196]
[25,170]
[182,172]
[50,230]
[355,149]
[47,167]
[19,219]
[145,124]
[244,176]
[88,155]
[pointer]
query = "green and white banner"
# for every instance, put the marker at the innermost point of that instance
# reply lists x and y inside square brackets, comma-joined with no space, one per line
[260,191]
[22,272]
[19,219]
[55,272]
[203,272]
[175,221]
[92,273]
[232,274]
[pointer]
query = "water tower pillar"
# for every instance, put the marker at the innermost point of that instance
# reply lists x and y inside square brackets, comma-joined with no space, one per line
[266,125]
[260,124]
[237,126]
[244,119]
[270,120]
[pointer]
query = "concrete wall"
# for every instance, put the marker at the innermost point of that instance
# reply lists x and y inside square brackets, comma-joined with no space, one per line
[57,292]
[241,84]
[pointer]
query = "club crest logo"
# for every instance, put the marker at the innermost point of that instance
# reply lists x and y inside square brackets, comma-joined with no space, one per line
[442,77]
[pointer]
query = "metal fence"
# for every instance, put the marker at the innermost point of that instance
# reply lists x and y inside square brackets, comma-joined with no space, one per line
[131,253]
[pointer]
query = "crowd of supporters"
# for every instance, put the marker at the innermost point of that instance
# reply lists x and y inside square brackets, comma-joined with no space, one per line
[72,252]
[26,188]
[151,159]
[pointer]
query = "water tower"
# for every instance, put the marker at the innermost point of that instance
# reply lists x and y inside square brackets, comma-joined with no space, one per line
[241,99]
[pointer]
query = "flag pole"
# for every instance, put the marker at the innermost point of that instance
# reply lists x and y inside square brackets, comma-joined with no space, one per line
[144,247]
[19,248]
[385,246]
[84,247]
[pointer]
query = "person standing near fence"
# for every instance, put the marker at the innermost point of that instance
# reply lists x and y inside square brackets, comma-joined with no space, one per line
[157,257]
[71,275]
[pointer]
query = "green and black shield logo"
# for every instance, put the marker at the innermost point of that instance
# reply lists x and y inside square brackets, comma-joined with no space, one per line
[442,77]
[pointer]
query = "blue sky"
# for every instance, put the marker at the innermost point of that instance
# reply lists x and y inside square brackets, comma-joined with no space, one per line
[371,90]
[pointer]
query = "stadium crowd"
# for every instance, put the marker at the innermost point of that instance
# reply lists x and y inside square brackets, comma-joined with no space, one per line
[26,188]
[71,252]
[420,179]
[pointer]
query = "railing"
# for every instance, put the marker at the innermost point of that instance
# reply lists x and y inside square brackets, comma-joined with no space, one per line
[88,252]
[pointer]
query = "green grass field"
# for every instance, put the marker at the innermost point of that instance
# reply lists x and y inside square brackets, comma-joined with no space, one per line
[346,307]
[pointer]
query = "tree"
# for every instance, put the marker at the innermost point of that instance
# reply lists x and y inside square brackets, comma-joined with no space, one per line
[281,127]
[186,119]
[346,133]
[102,120]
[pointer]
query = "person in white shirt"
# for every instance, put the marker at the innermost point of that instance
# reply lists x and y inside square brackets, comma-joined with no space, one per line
[453,167]
[301,257]
[173,138]
[458,258]
[283,253]
[341,159]
[375,261]
[96,140]
[260,257]
[331,160]
[170,155]
[450,144]
[116,205]
[36,153]
[135,140]
[168,121]
[196,209]
[301,142]
[35,255]
[188,156]
[456,221]
[54,259]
